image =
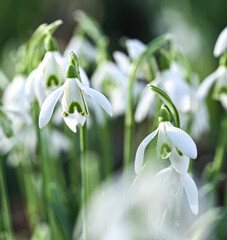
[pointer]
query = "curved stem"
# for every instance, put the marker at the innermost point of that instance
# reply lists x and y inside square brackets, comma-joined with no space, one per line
[84,179]
[151,49]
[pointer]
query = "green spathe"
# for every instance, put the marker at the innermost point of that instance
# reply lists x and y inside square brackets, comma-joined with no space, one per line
[164,114]
[50,44]
[71,71]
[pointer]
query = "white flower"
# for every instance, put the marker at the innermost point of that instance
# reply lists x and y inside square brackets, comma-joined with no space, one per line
[169,138]
[74,106]
[135,48]
[15,104]
[221,43]
[220,91]
[83,48]
[176,177]
[49,75]
[113,79]
[109,79]
[172,82]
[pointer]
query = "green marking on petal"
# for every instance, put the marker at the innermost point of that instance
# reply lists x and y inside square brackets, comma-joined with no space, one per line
[165,150]
[179,152]
[52,81]
[77,106]
[65,114]
[222,90]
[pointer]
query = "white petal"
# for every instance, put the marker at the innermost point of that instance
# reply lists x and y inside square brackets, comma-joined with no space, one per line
[29,85]
[141,149]
[62,61]
[72,120]
[223,100]
[164,172]
[39,90]
[221,43]
[49,104]
[118,100]
[181,140]
[84,77]
[180,163]
[135,48]
[191,192]
[122,61]
[208,82]
[178,90]
[147,97]
[97,96]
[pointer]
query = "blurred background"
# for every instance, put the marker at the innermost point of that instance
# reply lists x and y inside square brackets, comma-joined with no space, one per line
[195,26]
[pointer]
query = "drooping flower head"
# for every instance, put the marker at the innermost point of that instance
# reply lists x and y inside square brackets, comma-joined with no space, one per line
[219,76]
[178,146]
[49,75]
[75,90]
[170,139]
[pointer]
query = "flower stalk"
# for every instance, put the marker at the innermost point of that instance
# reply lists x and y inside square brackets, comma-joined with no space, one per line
[84,179]
[151,49]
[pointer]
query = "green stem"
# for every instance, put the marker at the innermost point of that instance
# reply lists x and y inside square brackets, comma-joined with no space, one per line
[151,49]
[220,149]
[84,179]
[106,165]
[5,204]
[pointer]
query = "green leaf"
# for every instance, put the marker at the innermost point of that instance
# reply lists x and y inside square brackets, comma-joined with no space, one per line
[89,25]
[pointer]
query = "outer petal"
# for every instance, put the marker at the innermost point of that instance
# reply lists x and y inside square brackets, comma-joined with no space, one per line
[29,85]
[141,149]
[181,140]
[147,97]
[97,96]
[180,163]
[208,82]
[191,192]
[135,48]
[122,61]
[221,44]
[178,90]
[74,119]
[49,104]
[39,90]
[84,77]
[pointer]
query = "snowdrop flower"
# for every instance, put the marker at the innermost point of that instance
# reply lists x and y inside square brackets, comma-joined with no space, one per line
[83,48]
[221,43]
[112,79]
[197,119]
[15,104]
[109,79]
[74,106]
[170,138]
[135,48]
[176,175]
[219,76]
[48,75]
[171,81]
[16,110]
